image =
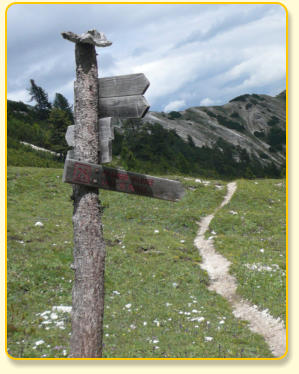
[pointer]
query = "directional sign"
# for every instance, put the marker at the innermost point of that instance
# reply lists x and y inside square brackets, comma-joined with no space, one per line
[134,106]
[123,85]
[98,176]
[106,135]
[121,96]
[70,136]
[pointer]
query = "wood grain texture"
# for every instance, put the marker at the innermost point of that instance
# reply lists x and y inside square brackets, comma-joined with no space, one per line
[70,135]
[89,246]
[123,107]
[123,85]
[122,181]
[105,131]
[90,37]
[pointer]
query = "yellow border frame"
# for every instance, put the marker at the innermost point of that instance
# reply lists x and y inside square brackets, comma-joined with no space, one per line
[287,185]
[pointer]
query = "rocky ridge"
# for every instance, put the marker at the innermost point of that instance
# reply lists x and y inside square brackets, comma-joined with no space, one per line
[247,121]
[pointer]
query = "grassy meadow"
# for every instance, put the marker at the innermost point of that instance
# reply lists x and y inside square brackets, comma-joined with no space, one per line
[157,304]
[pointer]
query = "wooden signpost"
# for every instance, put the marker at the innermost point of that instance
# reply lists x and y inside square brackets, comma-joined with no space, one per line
[123,106]
[92,175]
[106,135]
[123,85]
[96,101]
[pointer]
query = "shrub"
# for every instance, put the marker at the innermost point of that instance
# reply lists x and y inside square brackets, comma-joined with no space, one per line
[259,134]
[174,115]
[273,121]
[230,124]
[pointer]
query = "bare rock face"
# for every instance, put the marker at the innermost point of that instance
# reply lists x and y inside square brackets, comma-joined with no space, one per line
[247,121]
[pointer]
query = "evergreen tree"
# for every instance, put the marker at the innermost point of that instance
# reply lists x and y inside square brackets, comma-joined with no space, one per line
[59,121]
[60,102]
[41,97]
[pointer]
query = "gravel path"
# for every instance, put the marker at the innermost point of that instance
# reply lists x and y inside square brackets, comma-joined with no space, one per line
[217,267]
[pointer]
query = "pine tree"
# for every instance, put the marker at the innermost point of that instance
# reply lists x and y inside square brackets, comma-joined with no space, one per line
[41,97]
[60,102]
[58,124]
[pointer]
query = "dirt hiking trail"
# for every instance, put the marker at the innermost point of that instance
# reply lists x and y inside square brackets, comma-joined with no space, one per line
[217,267]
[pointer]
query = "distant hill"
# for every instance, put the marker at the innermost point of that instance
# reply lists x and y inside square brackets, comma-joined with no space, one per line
[256,123]
[243,138]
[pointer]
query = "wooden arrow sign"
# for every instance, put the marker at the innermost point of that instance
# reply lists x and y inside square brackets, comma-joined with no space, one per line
[70,136]
[134,106]
[121,96]
[98,176]
[123,85]
[106,135]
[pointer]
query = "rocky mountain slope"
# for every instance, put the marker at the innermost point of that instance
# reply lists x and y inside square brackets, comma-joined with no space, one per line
[256,123]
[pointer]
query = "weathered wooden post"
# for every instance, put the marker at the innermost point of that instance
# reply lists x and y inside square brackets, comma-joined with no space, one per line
[89,247]
[96,101]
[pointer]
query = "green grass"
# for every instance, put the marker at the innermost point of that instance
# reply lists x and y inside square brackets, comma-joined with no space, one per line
[154,285]
[254,240]
[23,155]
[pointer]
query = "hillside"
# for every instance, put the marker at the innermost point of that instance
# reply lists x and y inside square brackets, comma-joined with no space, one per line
[256,123]
[243,138]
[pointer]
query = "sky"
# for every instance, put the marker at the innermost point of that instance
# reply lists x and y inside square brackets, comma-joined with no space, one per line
[192,54]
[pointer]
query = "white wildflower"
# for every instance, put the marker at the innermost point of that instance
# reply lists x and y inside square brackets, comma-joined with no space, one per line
[197,319]
[62,309]
[128,306]
[39,342]
[39,224]
[44,314]
[208,338]
[53,316]
[156,231]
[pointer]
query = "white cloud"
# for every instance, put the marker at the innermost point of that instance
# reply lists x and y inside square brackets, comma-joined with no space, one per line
[20,95]
[189,53]
[206,102]
[174,105]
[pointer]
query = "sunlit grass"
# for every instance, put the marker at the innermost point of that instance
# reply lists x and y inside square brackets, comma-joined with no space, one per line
[156,303]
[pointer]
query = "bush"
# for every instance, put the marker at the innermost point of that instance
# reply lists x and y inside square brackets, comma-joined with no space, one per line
[273,121]
[259,134]
[229,123]
[174,115]
[240,98]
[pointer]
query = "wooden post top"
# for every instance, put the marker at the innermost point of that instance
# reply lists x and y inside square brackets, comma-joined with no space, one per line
[90,37]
